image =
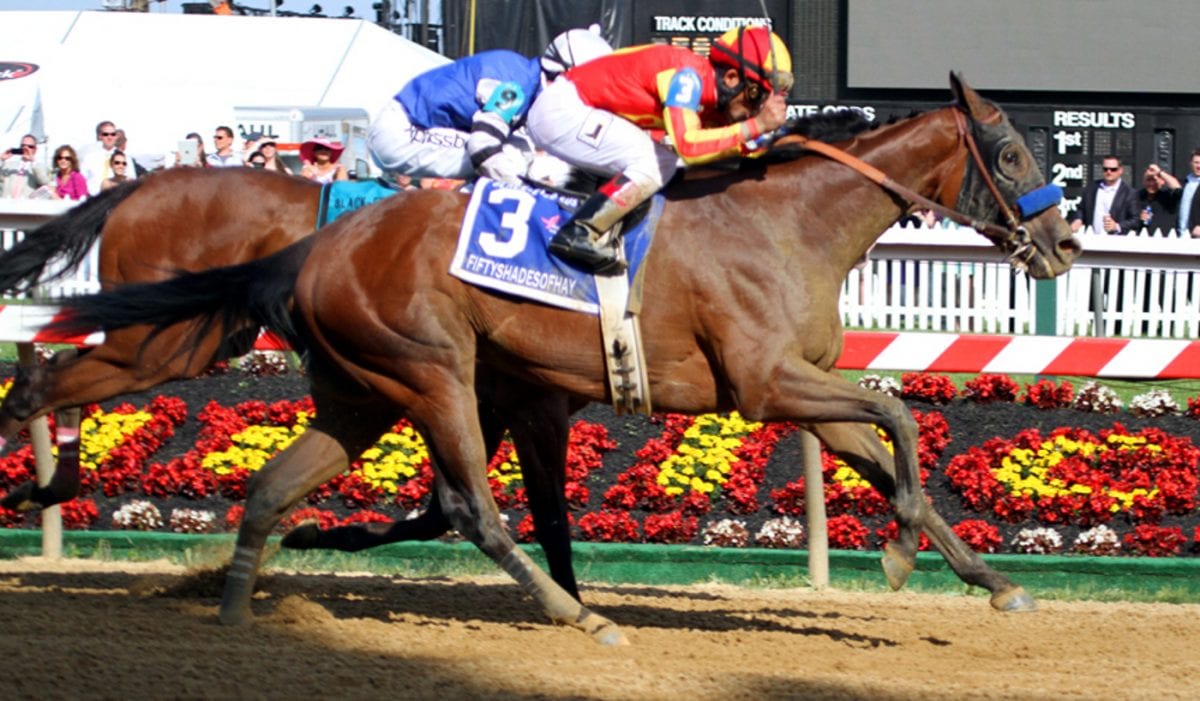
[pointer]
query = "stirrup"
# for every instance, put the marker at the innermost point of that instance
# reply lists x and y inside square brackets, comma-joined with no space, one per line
[573,243]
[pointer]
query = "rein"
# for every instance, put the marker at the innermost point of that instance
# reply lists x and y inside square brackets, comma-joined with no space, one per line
[1013,240]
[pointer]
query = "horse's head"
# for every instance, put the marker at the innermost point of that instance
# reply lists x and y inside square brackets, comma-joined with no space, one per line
[1004,190]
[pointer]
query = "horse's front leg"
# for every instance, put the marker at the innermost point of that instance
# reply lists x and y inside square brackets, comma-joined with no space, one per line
[859,446]
[803,393]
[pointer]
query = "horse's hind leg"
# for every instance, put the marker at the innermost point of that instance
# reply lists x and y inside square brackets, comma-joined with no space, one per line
[450,422]
[539,423]
[337,434]
[860,447]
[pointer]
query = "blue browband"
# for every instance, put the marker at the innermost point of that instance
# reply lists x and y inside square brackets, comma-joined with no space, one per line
[1042,198]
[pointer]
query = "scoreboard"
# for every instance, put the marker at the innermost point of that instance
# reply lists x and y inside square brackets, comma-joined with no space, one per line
[1070,143]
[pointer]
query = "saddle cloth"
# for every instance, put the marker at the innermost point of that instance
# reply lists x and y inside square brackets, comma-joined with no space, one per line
[503,243]
[345,196]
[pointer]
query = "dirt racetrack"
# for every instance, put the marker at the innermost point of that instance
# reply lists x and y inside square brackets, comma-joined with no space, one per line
[82,629]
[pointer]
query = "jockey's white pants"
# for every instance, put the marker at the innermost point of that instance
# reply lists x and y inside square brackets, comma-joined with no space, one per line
[399,146]
[596,140]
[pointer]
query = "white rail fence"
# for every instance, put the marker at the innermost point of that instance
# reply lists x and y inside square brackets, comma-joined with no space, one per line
[932,279]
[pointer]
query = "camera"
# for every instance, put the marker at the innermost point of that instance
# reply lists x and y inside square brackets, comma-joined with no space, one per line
[15,151]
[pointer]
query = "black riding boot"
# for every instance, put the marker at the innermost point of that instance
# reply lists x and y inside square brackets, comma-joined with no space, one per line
[575,242]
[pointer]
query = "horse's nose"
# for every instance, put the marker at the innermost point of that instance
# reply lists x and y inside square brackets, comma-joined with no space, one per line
[1069,249]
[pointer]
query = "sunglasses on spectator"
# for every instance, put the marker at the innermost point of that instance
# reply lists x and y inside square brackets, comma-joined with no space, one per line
[1110,169]
[62,158]
[108,133]
[29,146]
[119,163]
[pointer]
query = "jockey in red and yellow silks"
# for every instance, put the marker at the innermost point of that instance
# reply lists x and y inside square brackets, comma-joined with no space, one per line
[603,116]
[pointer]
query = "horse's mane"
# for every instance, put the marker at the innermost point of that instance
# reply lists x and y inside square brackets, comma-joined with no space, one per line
[829,127]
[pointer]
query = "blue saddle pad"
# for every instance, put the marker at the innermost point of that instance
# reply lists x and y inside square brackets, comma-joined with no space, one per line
[344,196]
[503,245]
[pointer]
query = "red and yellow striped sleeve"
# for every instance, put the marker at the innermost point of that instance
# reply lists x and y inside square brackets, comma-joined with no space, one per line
[695,143]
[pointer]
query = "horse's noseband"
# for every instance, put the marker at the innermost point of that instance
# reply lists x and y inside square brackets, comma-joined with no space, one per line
[1013,240]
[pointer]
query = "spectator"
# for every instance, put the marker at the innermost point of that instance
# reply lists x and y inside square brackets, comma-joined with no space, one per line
[257,160]
[1189,202]
[1109,204]
[250,143]
[96,162]
[225,156]
[198,159]
[69,183]
[598,116]
[271,153]
[320,157]
[20,173]
[120,165]
[457,120]
[1158,200]
[135,167]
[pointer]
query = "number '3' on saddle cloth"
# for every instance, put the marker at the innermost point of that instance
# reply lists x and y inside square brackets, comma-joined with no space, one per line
[503,245]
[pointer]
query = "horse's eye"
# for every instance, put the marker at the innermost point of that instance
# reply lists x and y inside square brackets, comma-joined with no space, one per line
[1011,161]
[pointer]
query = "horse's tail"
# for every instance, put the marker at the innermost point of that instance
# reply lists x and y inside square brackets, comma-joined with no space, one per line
[66,239]
[232,298]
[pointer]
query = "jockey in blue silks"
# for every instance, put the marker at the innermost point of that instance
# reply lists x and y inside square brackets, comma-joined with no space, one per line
[458,120]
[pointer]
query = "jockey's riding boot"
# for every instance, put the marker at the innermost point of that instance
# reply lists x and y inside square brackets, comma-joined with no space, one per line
[575,242]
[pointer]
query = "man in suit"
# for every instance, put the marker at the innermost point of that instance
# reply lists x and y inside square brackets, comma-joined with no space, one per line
[1189,203]
[1109,204]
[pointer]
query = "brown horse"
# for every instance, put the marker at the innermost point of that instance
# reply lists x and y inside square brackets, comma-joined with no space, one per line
[192,219]
[740,308]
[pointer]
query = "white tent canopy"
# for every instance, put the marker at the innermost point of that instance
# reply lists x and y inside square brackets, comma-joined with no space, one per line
[161,76]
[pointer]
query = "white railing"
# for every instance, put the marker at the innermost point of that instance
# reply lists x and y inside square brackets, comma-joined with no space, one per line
[19,216]
[934,279]
[952,279]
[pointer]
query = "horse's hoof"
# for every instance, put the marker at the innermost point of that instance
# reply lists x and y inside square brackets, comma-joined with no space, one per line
[21,498]
[1013,600]
[896,566]
[612,637]
[239,616]
[306,536]
[607,633]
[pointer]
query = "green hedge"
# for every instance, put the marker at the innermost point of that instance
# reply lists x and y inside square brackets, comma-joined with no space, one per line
[1081,576]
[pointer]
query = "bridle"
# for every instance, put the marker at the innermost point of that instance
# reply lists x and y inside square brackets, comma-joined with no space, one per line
[1013,238]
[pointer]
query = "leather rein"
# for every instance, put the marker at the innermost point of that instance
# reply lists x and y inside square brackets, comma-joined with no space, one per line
[1013,240]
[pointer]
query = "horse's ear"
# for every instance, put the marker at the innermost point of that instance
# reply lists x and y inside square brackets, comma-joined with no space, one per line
[966,98]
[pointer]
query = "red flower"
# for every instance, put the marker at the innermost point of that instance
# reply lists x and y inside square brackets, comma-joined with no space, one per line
[1156,541]
[980,536]
[846,533]
[1044,395]
[922,386]
[672,527]
[608,527]
[988,388]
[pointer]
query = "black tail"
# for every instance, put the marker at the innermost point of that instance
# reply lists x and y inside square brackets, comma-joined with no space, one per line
[66,239]
[258,293]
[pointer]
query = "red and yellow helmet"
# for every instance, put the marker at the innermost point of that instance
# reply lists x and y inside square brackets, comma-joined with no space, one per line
[759,56]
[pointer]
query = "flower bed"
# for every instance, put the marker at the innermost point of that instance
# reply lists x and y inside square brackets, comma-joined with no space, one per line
[1039,469]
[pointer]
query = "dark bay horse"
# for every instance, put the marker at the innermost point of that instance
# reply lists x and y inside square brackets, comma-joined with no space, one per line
[740,313]
[180,220]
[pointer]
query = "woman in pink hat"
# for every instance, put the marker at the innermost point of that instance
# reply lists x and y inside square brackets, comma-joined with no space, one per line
[320,157]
